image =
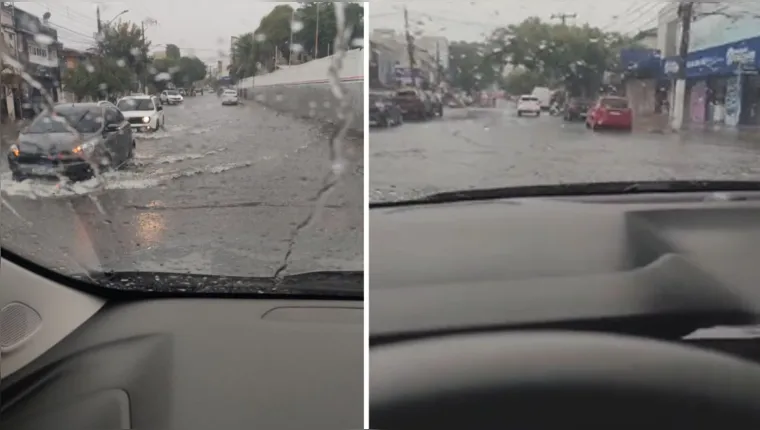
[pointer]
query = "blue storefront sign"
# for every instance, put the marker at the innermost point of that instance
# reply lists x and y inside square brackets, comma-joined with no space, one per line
[723,60]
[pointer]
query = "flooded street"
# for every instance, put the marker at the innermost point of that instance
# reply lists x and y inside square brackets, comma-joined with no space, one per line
[486,148]
[219,191]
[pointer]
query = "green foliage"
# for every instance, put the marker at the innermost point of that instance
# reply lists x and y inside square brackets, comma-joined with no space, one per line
[256,50]
[543,54]
[98,78]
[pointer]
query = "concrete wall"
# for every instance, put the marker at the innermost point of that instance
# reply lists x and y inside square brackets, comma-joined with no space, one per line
[305,90]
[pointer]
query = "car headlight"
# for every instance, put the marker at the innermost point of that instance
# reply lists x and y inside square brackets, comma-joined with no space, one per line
[15,151]
[380,106]
[86,148]
[146,119]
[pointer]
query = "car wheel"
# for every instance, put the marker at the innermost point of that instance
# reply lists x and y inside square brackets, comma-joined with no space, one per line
[18,177]
[400,120]
[158,126]
[519,113]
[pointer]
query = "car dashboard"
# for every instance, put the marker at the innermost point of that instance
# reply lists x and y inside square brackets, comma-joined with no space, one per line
[196,364]
[654,265]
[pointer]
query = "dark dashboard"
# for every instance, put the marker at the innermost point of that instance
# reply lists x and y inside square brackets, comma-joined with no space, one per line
[597,311]
[620,262]
[198,364]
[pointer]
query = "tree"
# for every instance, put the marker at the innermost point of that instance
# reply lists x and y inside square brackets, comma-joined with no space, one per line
[98,78]
[125,43]
[244,57]
[522,81]
[307,15]
[470,67]
[575,57]
[173,52]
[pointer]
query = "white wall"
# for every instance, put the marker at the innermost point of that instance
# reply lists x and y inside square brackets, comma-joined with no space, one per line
[305,91]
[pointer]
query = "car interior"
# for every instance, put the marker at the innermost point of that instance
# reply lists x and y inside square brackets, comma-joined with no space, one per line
[575,311]
[78,356]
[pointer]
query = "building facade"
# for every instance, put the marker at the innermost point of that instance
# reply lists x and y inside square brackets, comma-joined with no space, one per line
[722,66]
[393,64]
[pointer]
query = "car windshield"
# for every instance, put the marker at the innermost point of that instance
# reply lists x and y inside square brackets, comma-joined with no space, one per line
[84,120]
[687,123]
[270,190]
[126,105]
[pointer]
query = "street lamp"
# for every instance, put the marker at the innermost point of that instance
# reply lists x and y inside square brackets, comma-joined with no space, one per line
[118,15]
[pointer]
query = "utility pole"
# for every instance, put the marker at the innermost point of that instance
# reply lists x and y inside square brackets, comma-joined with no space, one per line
[438,64]
[409,47]
[316,36]
[290,44]
[100,26]
[685,13]
[563,17]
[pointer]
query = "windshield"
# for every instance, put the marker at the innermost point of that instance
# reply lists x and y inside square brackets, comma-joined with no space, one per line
[270,188]
[135,104]
[693,123]
[82,119]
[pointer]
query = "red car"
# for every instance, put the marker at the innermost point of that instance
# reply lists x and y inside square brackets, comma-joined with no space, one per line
[610,112]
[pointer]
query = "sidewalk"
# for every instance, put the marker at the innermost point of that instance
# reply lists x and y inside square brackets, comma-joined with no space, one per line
[660,124]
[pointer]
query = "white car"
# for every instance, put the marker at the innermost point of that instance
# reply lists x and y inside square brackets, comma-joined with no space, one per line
[528,104]
[171,97]
[142,112]
[230,97]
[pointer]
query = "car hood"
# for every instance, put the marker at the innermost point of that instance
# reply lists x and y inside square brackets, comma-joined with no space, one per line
[137,113]
[47,142]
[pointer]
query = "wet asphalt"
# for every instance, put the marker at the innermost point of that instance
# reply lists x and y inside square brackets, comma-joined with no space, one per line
[484,148]
[219,192]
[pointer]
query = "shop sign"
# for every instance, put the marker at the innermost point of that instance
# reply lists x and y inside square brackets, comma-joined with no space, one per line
[671,67]
[740,56]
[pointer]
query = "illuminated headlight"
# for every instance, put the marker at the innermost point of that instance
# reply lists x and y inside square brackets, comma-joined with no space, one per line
[86,148]
[15,151]
[146,119]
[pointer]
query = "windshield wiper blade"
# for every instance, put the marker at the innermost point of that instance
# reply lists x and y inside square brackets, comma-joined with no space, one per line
[576,189]
[332,284]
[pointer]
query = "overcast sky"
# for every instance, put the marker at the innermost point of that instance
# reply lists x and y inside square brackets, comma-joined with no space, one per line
[468,20]
[201,28]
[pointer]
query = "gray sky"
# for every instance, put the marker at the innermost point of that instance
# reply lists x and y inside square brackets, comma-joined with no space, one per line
[200,28]
[467,20]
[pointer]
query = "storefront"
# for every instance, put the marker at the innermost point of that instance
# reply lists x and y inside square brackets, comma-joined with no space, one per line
[722,83]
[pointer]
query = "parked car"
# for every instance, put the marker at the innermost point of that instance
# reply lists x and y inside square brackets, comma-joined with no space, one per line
[171,97]
[230,97]
[73,140]
[528,104]
[383,111]
[576,109]
[610,112]
[413,103]
[143,113]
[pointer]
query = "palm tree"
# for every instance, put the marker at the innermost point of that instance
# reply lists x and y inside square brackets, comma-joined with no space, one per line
[244,57]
